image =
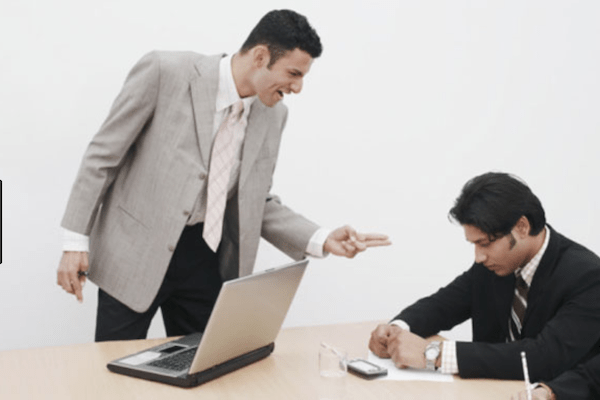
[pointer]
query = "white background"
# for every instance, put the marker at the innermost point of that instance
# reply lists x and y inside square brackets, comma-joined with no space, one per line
[409,100]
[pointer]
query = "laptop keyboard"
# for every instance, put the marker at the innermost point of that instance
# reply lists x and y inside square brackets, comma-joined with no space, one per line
[176,362]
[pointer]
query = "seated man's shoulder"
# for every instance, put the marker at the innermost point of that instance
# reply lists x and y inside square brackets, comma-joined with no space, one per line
[578,254]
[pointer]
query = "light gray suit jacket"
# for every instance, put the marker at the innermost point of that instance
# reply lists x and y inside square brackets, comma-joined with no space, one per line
[143,171]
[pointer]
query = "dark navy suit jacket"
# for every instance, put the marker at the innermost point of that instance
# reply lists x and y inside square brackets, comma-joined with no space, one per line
[561,327]
[582,383]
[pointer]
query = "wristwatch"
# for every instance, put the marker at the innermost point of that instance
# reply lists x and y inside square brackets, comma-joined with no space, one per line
[432,352]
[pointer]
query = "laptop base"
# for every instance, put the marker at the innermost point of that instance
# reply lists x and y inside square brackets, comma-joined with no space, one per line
[201,377]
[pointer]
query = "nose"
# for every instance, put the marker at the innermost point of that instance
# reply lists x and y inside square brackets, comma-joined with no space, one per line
[480,256]
[296,86]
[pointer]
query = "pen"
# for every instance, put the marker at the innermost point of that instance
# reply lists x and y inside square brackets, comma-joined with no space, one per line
[526,375]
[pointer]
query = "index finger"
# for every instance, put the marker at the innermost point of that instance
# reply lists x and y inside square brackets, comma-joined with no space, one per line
[375,243]
[76,286]
[374,239]
[371,236]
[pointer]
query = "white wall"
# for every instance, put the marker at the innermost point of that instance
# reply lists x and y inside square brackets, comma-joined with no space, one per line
[409,100]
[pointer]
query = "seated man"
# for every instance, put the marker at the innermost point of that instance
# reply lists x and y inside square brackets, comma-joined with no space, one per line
[581,383]
[529,290]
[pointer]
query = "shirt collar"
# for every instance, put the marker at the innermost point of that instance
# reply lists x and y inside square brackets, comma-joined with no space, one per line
[529,269]
[227,93]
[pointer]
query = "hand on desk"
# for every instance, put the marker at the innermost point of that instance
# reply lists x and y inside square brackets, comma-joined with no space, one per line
[404,348]
[539,393]
[68,275]
[345,241]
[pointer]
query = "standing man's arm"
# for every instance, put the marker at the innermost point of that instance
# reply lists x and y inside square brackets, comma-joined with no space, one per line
[297,236]
[346,242]
[129,113]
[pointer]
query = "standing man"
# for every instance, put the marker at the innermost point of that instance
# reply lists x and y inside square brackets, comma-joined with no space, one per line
[173,191]
[530,290]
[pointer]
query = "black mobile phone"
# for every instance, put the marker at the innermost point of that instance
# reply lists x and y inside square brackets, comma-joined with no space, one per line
[365,369]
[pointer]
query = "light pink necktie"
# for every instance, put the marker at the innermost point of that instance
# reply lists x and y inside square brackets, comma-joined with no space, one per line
[221,162]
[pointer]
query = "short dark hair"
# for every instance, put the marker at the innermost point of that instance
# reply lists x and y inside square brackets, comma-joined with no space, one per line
[494,202]
[282,31]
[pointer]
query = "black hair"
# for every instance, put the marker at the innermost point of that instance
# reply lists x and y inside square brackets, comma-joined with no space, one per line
[494,202]
[282,31]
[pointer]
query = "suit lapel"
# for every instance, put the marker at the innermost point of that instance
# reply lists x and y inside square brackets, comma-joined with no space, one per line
[542,274]
[203,89]
[255,135]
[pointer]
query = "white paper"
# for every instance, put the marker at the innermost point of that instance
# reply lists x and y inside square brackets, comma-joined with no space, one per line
[407,374]
[141,358]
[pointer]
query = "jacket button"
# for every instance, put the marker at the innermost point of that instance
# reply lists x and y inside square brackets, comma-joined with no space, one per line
[171,248]
[202,176]
[186,213]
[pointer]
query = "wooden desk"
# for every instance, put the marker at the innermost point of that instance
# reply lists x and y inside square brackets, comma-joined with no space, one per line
[291,372]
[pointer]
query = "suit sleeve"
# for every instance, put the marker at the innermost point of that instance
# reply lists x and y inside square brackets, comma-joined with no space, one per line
[287,230]
[130,112]
[448,307]
[582,383]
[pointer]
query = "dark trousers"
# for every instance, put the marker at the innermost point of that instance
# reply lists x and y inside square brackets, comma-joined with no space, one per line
[186,296]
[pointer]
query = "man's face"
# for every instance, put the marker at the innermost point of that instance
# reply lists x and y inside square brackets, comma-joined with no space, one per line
[284,77]
[502,256]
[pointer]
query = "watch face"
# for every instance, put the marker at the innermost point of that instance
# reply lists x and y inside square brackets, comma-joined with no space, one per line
[431,354]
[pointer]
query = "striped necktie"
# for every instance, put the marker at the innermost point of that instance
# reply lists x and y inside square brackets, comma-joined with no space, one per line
[519,306]
[221,161]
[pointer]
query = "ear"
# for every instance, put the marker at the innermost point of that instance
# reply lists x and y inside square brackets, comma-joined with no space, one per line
[522,227]
[260,56]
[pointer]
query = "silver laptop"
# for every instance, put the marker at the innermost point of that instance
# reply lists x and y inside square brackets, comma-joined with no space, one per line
[242,328]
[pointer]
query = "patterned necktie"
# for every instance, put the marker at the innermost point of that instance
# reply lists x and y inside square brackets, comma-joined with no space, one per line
[221,161]
[519,306]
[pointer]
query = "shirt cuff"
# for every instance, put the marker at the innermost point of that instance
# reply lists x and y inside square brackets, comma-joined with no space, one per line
[449,359]
[316,243]
[401,324]
[73,241]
